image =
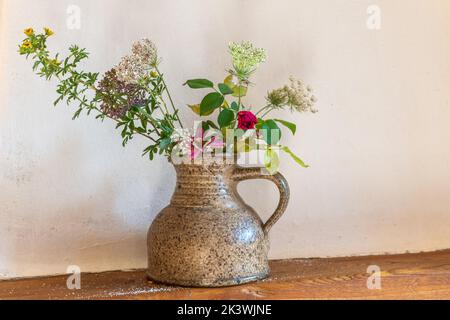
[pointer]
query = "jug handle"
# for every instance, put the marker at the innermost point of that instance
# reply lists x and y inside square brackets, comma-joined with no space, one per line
[245,173]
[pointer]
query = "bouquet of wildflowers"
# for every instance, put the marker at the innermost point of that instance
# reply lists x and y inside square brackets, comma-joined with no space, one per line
[134,94]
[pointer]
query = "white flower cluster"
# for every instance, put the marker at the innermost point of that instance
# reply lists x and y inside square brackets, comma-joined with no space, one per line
[183,140]
[132,68]
[246,58]
[297,95]
[300,97]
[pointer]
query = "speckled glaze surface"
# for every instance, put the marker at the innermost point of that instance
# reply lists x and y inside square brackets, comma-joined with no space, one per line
[208,236]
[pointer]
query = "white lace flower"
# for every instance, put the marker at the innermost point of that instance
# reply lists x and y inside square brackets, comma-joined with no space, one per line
[246,58]
[297,95]
[183,140]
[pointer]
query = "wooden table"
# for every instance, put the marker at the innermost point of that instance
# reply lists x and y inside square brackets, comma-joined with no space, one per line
[408,276]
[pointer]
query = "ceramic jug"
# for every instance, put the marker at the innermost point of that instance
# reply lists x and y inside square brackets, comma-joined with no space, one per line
[208,236]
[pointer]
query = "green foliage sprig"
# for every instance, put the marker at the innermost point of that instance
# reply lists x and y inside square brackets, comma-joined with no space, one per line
[148,117]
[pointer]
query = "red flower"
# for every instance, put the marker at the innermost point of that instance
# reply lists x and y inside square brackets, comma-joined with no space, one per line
[246,120]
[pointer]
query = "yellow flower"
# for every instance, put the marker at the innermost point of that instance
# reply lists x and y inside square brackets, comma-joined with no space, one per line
[29,31]
[48,32]
[56,62]
[27,44]
[153,74]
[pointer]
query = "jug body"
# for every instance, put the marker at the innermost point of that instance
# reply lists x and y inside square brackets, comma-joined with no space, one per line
[208,236]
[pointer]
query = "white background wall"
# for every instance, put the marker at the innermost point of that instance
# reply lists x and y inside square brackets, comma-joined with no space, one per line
[379,148]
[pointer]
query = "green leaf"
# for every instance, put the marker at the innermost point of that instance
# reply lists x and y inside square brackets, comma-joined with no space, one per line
[60,98]
[146,150]
[291,126]
[164,144]
[296,159]
[259,124]
[211,102]
[239,91]
[199,84]
[225,118]
[271,161]
[271,132]
[212,124]
[229,81]
[225,89]
[206,125]
[196,109]
[225,105]
[144,123]
[235,106]
[77,114]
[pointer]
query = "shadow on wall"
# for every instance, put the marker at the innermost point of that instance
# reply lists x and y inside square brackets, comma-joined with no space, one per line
[59,224]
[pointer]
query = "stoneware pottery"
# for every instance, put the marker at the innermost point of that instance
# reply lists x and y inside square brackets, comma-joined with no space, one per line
[208,236]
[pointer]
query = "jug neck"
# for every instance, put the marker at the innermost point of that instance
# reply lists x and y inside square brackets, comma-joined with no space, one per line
[204,185]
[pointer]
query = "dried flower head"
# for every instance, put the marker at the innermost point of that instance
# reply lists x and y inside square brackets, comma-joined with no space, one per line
[297,96]
[147,51]
[144,58]
[278,97]
[117,96]
[132,69]
[246,58]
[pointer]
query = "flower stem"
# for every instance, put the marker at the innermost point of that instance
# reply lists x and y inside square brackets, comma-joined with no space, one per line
[169,96]
[263,109]
[267,112]
[239,98]
[166,110]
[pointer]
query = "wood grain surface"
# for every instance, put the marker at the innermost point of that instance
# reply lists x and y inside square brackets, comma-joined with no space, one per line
[408,276]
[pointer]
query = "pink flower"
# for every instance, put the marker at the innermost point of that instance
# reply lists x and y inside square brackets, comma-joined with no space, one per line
[201,144]
[246,120]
